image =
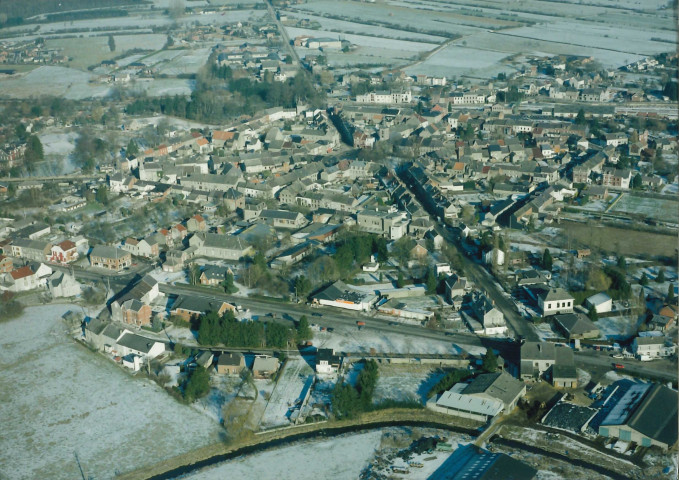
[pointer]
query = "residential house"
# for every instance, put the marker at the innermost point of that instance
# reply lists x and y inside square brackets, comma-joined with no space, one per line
[214,275]
[283,218]
[111,258]
[554,301]
[192,306]
[230,363]
[64,252]
[38,250]
[544,358]
[21,280]
[196,224]
[456,286]
[264,366]
[497,386]
[651,347]
[327,361]
[6,264]
[491,318]
[62,285]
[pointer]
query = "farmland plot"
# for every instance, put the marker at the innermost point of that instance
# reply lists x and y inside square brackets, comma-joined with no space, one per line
[295,375]
[57,397]
[51,80]
[659,209]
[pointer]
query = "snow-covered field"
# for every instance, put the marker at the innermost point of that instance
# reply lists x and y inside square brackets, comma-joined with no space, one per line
[58,143]
[57,398]
[352,340]
[337,458]
[56,81]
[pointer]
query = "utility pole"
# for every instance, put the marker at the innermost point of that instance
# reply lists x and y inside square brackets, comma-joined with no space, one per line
[77,460]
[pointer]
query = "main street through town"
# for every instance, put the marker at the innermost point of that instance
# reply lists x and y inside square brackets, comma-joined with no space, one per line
[331,317]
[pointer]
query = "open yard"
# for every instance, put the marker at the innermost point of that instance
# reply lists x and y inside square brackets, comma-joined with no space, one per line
[57,398]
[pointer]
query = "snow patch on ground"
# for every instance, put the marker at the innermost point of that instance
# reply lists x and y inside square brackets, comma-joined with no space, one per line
[57,397]
[340,457]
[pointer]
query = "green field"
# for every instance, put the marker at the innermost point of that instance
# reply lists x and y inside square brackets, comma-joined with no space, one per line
[658,209]
[621,241]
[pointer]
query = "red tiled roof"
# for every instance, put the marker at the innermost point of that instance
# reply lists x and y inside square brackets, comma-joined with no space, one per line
[221,135]
[21,272]
[67,245]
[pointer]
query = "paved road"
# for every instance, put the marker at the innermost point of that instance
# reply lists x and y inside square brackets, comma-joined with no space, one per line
[477,274]
[331,317]
[284,35]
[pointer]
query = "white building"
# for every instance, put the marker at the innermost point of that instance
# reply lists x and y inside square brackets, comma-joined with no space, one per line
[341,296]
[385,97]
[555,301]
[601,302]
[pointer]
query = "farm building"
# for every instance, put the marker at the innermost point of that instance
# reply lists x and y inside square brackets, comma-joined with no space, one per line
[646,414]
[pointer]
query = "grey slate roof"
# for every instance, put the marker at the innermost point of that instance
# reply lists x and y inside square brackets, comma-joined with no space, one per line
[137,342]
[500,385]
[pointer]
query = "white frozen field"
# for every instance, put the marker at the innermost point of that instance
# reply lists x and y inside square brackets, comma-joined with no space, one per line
[53,80]
[58,143]
[164,86]
[332,26]
[189,62]
[405,382]
[57,398]
[337,458]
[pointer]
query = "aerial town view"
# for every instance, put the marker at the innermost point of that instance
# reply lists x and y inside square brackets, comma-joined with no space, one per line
[348,239]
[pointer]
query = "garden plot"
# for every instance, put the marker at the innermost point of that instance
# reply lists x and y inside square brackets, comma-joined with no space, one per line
[339,457]
[57,398]
[617,328]
[190,62]
[405,382]
[55,81]
[224,390]
[656,208]
[164,86]
[292,381]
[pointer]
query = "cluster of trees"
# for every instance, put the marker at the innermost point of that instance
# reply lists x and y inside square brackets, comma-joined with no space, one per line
[9,308]
[198,385]
[227,330]
[259,275]
[449,379]
[219,95]
[88,149]
[356,249]
[348,401]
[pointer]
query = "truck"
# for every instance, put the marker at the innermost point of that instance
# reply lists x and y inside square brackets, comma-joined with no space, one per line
[360,324]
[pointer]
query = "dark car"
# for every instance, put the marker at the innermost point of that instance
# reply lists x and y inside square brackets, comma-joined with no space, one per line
[316,314]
